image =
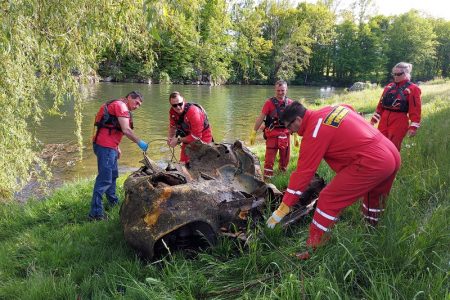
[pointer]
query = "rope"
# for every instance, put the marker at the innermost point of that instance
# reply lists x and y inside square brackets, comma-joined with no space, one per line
[172,150]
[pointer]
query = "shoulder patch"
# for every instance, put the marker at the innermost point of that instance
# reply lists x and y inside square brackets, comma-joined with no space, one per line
[335,117]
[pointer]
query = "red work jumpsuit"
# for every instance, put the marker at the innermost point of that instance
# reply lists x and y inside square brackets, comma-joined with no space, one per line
[195,129]
[395,115]
[364,160]
[277,137]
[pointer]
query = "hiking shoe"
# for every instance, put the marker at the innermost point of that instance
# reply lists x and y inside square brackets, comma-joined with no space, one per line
[97,218]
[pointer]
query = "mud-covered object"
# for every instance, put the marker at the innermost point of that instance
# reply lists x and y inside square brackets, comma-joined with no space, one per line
[187,208]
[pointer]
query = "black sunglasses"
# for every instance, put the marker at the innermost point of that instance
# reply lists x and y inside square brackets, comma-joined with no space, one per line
[178,104]
[398,74]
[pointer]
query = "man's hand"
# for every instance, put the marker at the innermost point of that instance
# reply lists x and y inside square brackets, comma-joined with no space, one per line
[119,153]
[143,145]
[172,142]
[375,118]
[277,215]
[412,131]
[252,137]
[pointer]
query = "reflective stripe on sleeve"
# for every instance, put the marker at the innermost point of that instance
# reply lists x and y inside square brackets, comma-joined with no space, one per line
[316,130]
[415,124]
[298,193]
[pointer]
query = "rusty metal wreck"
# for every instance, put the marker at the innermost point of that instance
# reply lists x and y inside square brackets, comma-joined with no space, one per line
[181,208]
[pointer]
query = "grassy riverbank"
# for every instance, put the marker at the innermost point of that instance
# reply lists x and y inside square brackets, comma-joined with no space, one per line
[48,250]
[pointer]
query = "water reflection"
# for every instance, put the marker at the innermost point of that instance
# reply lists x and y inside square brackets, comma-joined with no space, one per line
[232,111]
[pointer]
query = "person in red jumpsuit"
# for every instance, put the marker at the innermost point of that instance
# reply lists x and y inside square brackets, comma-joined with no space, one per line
[364,160]
[275,133]
[188,123]
[399,109]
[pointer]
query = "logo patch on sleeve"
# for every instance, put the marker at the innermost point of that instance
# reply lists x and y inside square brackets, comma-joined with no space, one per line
[335,117]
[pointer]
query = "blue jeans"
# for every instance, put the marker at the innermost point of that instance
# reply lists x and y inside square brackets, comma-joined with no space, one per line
[105,183]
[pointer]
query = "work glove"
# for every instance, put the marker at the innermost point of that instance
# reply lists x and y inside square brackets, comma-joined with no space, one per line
[277,215]
[143,145]
[252,137]
[296,140]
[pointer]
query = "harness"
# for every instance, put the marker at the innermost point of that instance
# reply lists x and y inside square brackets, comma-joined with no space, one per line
[395,99]
[183,127]
[273,120]
[109,121]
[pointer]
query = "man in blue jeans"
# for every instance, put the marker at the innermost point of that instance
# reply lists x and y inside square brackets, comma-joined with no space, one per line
[113,121]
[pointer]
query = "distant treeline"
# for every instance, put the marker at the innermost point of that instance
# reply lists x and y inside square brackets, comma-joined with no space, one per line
[257,42]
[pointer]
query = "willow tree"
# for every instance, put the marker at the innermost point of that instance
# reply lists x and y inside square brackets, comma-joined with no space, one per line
[43,45]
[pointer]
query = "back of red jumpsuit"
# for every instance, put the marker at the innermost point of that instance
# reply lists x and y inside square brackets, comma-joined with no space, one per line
[364,160]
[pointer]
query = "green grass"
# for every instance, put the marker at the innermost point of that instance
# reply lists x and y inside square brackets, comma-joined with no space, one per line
[48,250]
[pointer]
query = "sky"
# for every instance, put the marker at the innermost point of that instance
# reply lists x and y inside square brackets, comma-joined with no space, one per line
[435,8]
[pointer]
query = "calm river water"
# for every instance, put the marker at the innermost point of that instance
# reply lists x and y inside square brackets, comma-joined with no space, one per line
[232,111]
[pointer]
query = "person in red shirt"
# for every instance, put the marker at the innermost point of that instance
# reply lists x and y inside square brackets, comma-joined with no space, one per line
[276,135]
[188,122]
[364,160]
[113,121]
[400,105]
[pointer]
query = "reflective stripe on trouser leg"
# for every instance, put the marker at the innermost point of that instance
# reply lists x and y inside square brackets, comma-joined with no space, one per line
[372,208]
[322,221]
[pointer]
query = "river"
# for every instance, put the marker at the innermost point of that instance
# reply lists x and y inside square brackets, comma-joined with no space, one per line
[232,110]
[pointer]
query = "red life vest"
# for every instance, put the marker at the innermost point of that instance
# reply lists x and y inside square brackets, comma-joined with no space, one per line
[182,127]
[273,120]
[104,119]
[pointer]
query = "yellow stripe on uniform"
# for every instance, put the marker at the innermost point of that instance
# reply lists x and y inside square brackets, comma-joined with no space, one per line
[335,117]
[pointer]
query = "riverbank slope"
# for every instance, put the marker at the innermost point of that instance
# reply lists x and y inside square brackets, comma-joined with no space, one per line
[50,250]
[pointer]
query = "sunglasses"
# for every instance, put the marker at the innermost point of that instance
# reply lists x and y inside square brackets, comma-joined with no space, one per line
[398,74]
[178,104]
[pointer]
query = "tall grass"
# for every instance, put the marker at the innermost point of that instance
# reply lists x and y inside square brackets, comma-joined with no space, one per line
[48,250]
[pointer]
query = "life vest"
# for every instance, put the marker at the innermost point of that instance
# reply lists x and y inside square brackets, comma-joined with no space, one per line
[394,99]
[182,127]
[273,120]
[104,119]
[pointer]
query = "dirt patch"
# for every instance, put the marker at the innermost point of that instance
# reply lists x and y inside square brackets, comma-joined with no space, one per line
[60,158]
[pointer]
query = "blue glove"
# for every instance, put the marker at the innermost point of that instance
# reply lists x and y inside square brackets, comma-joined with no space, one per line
[143,145]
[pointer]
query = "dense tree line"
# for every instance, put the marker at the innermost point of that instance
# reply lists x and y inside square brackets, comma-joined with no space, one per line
[48,47]
[250,41]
